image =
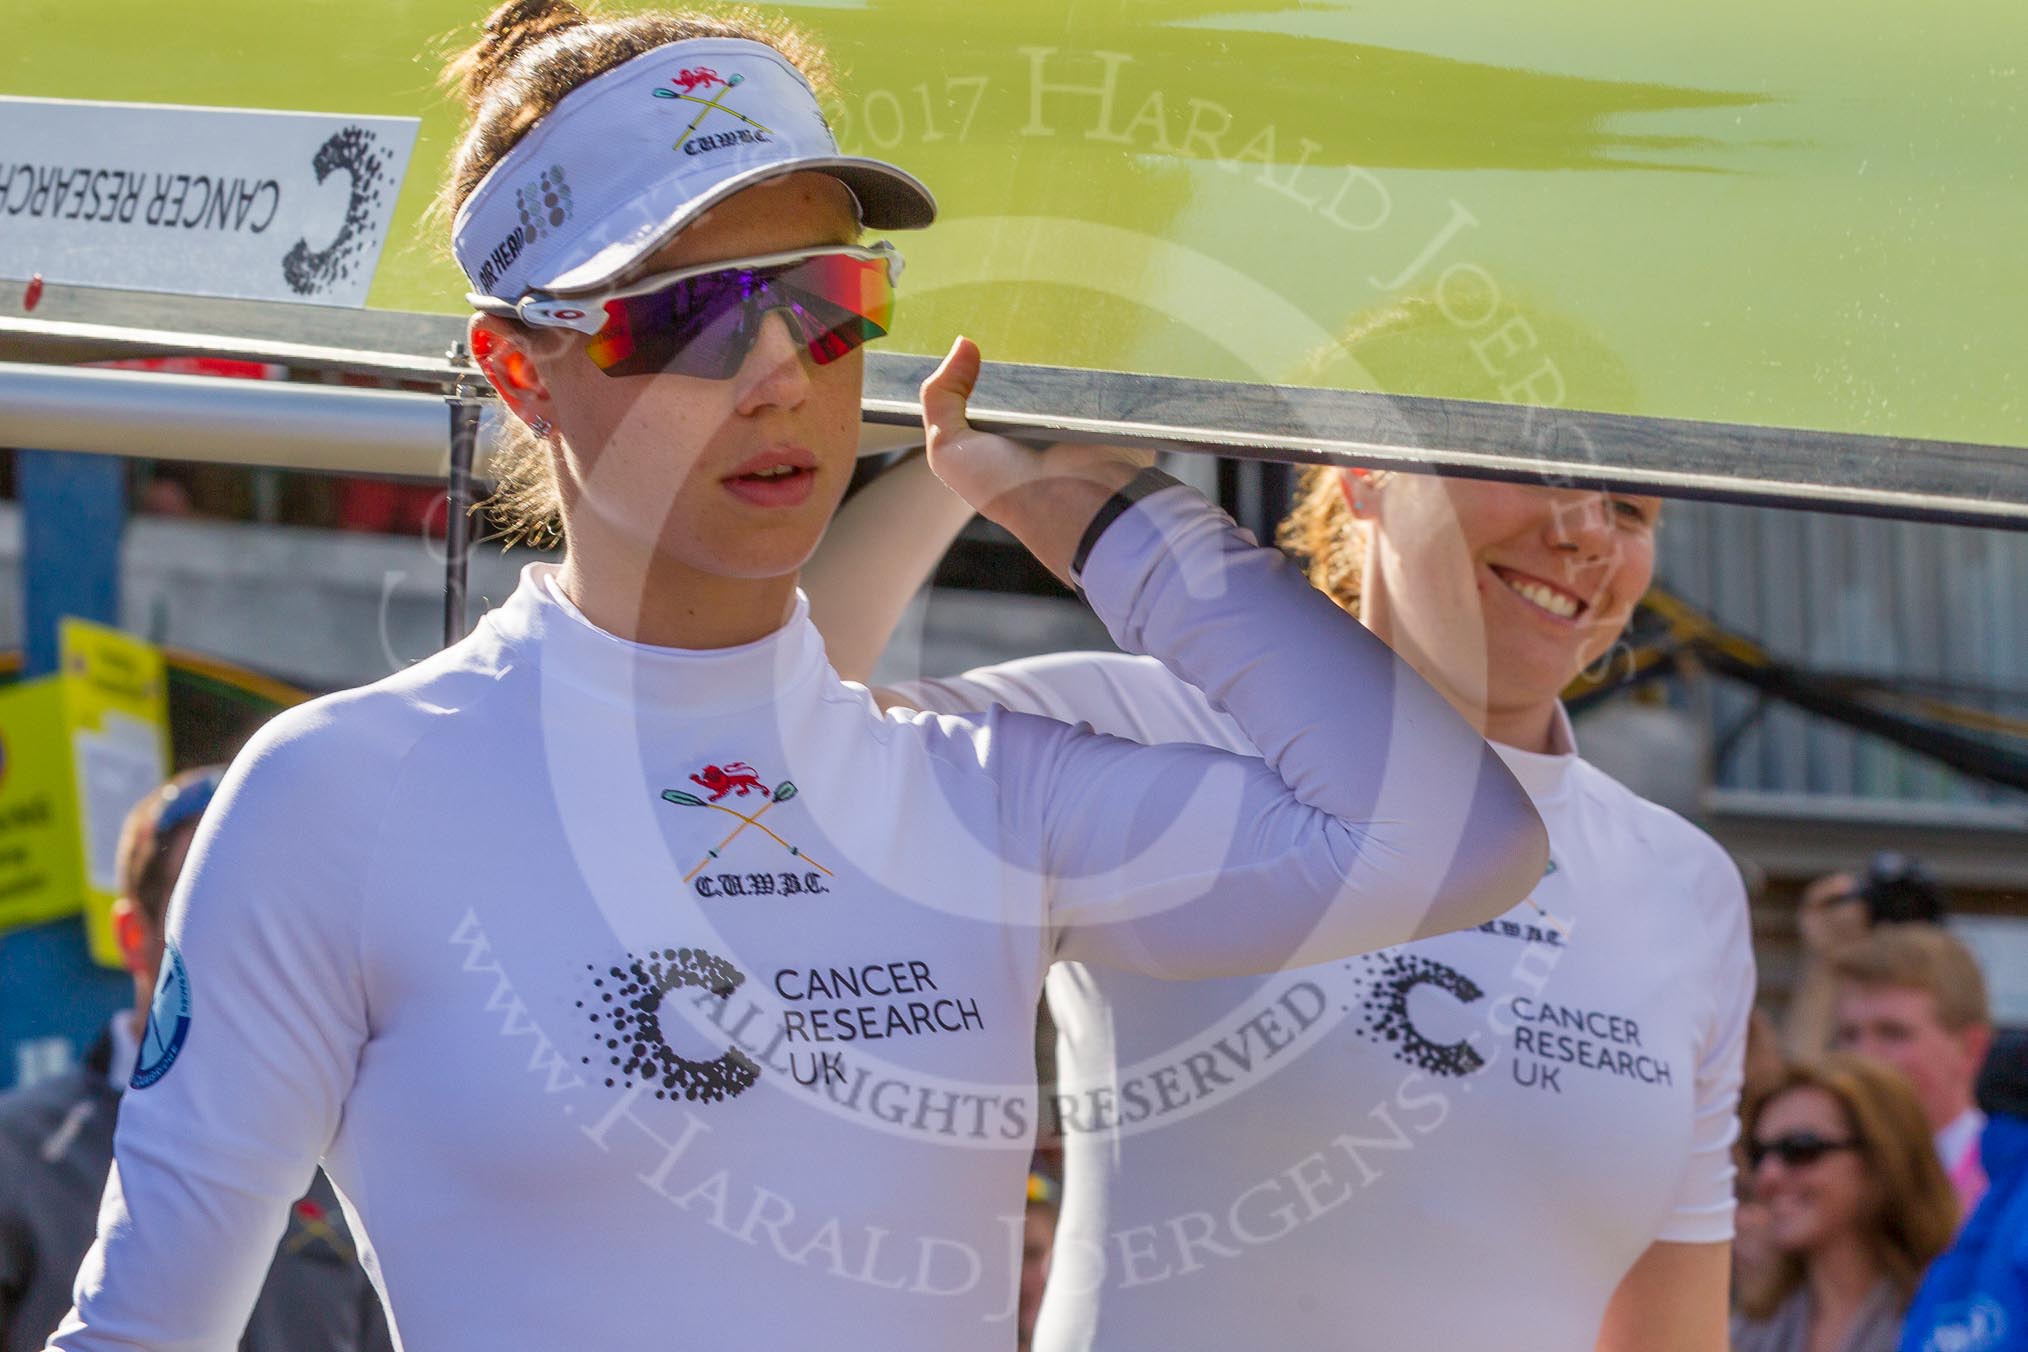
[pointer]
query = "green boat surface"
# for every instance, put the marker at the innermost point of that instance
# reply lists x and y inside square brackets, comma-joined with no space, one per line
[1802,215]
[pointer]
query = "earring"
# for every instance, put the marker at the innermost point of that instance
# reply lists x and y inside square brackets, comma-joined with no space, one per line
[540,426]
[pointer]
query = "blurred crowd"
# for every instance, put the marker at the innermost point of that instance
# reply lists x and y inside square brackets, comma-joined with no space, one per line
[1881,1159]
[56,1142]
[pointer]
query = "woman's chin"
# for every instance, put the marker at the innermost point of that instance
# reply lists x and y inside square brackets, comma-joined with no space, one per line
[1525,681]
[1800,1232]
[750,556]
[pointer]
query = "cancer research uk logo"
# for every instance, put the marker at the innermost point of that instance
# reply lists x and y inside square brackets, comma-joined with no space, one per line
[688,83]
[168,1021]
[357,153]
[543,204]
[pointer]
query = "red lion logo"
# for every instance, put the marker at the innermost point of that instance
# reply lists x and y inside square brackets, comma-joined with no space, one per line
[736,777]
[692,80]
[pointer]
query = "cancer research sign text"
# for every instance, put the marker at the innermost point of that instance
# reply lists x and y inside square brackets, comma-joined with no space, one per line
[202,201]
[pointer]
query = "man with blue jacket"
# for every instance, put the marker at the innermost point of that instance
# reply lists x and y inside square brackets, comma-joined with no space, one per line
[1975,1298]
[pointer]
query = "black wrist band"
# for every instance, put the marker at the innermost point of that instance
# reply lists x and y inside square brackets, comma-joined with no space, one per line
[1149,480]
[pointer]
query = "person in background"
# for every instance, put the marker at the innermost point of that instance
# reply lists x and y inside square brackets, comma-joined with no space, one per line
[56,1142]
[1840,909]
[1975,1298]
[1256,1217]
[1764,1066]
[1038,1240]
[1753,1251]
[1912,995]
[1856,1205]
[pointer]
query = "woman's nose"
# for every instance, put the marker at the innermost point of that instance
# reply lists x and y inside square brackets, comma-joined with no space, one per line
[774,373]
[1581,522]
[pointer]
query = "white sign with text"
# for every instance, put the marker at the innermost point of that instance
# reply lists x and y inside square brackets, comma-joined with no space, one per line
[201,201]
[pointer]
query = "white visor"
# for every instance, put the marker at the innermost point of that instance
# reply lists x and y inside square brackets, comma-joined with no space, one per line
[626,160]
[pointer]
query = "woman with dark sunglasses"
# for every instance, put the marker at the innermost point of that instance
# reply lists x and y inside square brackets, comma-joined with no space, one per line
[640,983]
[1856,1204]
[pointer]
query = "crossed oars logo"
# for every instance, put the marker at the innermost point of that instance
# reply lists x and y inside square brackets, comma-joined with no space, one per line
[711,105]
[782,794]
[314,1225]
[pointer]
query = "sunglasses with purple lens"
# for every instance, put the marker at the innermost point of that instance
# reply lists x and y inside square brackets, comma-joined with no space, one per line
[703,321]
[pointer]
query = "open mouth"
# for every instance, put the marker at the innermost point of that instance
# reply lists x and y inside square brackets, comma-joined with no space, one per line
[1546,597]
[773,474]
[774,481]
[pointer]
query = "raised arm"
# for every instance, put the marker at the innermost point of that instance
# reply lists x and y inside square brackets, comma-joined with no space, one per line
[885,542]
[1374,813]
[880,549]
[249,1053]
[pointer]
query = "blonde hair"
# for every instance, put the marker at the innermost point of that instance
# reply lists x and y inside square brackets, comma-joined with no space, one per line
[1321,531]
[529,55]
[1915,1215]
[1920,957]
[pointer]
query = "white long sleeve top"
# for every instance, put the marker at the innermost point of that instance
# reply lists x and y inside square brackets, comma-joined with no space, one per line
[640,997]
[1462,1142]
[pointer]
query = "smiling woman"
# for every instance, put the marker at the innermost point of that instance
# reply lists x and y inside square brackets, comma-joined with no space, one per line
[453,934]
[1498,594]
[1857,1208]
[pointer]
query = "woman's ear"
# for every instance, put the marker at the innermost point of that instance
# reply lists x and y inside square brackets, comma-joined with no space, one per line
[130,932]
[1361,488]
[501,351]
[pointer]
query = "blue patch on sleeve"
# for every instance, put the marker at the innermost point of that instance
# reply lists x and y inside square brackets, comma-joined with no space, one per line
[168,1021]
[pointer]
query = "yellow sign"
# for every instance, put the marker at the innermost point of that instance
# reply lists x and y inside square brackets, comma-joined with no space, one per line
[77,751]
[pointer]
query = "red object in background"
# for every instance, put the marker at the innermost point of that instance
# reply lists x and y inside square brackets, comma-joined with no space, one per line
[385,507]
[170,495]
[373,505]
[391,508]
[33,296]
[231,368]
